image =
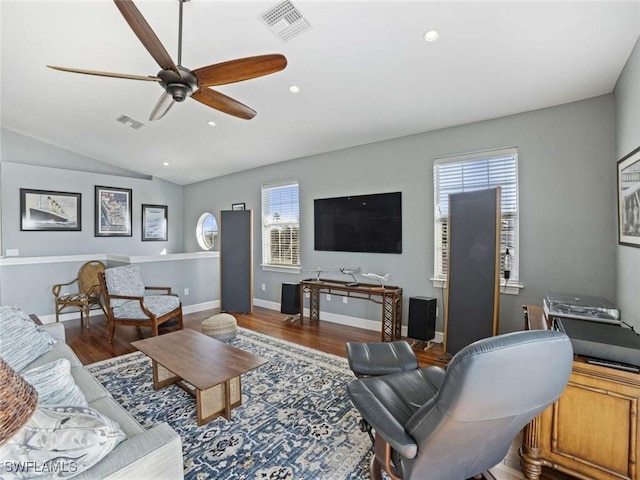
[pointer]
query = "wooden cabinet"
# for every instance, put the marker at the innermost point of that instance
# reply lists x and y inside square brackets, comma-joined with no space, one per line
[591,432]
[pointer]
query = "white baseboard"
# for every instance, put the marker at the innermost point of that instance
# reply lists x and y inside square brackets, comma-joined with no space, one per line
[343,319]
[199,307]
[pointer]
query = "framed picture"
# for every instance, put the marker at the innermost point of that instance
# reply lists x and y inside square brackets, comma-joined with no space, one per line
[237,206]
[113,212]
[154,223]
[629,199]
[45,210]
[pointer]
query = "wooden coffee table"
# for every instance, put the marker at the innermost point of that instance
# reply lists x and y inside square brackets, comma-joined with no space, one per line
[212,367]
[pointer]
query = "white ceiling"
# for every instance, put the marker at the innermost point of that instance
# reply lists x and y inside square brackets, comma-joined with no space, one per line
[364,71]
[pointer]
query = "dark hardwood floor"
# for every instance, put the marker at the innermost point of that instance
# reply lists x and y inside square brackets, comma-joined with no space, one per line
[91,346]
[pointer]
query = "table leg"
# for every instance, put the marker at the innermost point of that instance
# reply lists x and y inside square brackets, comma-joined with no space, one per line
[314,304]
[163,377]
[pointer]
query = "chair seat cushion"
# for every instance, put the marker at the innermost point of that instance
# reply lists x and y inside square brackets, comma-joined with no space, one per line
[74,297]
[221,326]
[158,304]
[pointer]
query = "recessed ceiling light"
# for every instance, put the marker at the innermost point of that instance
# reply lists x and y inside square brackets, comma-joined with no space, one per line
[211,123]
[294,89]
[166,164]
[431,36]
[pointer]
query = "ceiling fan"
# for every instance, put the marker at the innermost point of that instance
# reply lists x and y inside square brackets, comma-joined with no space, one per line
[180,82]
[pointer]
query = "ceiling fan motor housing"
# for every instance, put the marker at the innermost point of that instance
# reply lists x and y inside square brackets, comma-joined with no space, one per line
[178,86]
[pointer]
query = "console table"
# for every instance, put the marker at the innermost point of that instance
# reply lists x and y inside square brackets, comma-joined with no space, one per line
[592,431]
[389,297]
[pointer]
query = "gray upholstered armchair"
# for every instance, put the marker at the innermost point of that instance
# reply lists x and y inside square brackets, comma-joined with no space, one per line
[453,424]
[128,302]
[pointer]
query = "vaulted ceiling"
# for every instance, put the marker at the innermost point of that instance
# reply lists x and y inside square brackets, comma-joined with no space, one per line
[364,71]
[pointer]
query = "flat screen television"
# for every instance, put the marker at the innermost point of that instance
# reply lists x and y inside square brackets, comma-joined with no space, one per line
[359,223]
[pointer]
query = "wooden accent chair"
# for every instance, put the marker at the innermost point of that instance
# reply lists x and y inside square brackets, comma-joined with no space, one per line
[87,297]
[127,304]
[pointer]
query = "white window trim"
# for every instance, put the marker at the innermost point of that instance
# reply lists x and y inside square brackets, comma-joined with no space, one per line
[512,287]
[268,267]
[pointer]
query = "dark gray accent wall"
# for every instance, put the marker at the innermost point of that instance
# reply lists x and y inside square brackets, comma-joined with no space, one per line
[627,125]
[567,189]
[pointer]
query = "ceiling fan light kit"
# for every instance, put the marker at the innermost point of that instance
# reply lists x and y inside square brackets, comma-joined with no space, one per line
[179,82]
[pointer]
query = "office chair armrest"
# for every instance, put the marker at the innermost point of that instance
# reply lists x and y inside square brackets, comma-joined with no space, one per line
[381,419]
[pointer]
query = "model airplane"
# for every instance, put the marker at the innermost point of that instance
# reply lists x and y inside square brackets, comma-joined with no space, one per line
[379,278]
[318,271]
[352,272]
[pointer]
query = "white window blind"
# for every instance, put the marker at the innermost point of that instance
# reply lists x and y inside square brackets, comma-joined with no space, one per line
[281,224]
[477,171]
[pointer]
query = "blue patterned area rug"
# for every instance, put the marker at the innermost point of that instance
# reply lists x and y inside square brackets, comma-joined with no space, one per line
[295,421]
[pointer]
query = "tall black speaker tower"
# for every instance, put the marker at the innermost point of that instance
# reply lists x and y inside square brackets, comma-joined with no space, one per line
[422,318]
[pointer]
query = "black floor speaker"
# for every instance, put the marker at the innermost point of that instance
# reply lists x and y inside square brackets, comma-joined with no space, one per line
[290,299]
[422,318]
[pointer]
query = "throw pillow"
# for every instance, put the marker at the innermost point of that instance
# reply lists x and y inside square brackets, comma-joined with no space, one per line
[22,340]
[59,442]
[55,384]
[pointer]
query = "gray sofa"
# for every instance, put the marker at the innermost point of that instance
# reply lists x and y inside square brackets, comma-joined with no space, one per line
[145,454]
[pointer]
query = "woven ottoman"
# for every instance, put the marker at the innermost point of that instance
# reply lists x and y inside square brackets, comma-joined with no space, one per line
[221,326]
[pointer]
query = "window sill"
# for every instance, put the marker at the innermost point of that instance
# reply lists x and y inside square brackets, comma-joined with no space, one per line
[281,269]
[509,289]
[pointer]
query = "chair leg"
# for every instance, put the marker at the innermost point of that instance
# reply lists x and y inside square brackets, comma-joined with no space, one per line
[180,320]
[154,330]
[112,330]
[375,469]
[57,313]
[87,310]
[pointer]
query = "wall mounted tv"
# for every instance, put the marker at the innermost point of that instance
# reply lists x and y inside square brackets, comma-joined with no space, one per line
[359,223]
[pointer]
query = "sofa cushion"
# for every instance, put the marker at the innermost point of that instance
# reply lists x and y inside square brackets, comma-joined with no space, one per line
[125,280]
[69,439]
[91,388]
[111,409]
[59,350]
[55,385]
[22,340]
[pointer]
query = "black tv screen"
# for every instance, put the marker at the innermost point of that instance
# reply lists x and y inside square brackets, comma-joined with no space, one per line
[359,223]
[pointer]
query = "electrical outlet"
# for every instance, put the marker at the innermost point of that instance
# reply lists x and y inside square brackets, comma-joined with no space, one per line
[328,297]
[12,252]
[264,287]
[437,312]
[186,291]
[345,300]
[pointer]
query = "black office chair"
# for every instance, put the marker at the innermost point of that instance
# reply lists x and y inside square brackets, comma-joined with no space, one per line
[454,424]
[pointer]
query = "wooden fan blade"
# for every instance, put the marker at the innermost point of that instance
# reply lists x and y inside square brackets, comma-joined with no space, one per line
[239,70]
[106,74]
[146,35]
[221,102]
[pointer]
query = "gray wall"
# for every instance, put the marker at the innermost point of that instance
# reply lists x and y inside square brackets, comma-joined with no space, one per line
[154,191]
[627,124]
[567,187]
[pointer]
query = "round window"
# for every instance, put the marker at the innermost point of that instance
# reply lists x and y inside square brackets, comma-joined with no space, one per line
[207,232]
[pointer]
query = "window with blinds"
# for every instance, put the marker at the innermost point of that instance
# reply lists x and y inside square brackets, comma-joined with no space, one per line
[281,224]
[477,171]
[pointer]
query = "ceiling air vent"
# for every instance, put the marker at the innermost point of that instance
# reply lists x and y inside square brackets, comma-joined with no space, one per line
[285,20]
[135,124]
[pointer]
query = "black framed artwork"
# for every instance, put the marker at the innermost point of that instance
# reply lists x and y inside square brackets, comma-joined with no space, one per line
[154,223]
[50,211]
[629,199]
[113,212]
[237,206]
